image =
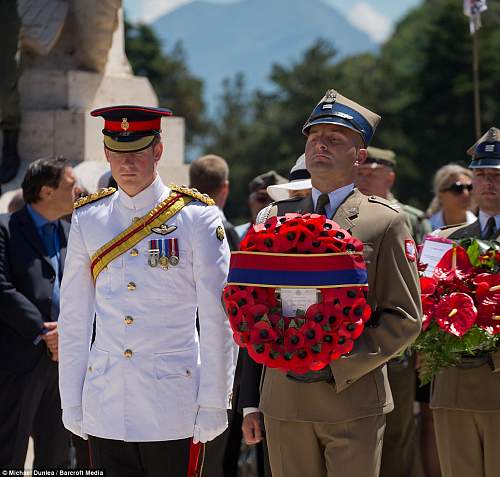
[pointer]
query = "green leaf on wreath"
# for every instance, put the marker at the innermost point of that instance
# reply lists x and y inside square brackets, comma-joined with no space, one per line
[292,324]
[300,322]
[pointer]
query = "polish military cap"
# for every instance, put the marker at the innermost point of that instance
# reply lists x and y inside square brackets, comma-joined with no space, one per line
[486,152]
[337,109]
[380,157]
[130,128]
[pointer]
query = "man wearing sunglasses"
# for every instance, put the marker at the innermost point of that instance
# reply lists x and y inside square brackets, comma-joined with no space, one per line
[466,397]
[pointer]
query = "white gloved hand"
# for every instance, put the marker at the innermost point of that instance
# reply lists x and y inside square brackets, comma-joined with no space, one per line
[210,422]
[72,419]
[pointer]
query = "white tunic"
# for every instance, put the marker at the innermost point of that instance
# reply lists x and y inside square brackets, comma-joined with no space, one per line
[147,373]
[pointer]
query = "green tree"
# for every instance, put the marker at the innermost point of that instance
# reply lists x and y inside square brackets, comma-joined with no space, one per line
[171,79]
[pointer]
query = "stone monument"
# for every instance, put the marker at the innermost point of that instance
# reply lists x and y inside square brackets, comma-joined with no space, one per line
[73,60]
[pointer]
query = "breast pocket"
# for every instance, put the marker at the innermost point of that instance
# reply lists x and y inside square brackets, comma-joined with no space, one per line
[110,280]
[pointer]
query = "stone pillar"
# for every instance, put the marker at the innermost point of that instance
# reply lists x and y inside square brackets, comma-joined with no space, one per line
[57,96]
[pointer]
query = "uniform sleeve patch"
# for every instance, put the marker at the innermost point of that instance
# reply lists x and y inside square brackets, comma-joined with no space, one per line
[410,250]
[220,233]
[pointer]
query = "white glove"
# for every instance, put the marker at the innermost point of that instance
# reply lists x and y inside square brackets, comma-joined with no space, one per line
[210,422]
[72,418]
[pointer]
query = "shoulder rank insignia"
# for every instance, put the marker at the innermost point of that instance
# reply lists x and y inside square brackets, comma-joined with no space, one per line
[164,229]
[379,200]
[220,233]
[205,198]
[88,199]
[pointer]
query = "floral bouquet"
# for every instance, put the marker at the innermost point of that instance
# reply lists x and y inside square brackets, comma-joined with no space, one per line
[461,306]
[298,254]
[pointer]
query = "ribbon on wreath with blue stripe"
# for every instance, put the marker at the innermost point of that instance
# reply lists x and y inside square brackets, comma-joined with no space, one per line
[279,270]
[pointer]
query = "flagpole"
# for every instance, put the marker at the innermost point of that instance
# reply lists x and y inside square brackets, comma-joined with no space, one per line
[475,70]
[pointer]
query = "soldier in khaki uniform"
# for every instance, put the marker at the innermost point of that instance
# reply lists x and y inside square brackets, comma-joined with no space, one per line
[399,457]
[331,422]
[466,398]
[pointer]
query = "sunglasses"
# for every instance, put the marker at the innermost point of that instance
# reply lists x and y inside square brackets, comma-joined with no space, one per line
[458,188]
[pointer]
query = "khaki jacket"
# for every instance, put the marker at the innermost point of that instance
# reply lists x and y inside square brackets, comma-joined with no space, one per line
[361,388]
[467,389]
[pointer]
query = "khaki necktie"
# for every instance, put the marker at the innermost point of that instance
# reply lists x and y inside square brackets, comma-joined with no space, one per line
[490,229]
[323,201]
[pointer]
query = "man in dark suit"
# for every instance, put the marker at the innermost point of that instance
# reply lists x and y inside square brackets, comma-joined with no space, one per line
[32,252]
[210,175]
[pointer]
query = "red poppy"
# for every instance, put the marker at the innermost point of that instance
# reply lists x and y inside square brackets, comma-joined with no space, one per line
[259,352]
[324,315]
[294,340]
[352,329]
[262,332]
[344,345]
[312,332]
[456,313]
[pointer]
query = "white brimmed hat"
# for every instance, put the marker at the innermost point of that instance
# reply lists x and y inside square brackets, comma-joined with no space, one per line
[299,179]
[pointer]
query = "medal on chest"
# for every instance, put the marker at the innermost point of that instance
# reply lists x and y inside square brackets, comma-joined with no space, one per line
[163,252]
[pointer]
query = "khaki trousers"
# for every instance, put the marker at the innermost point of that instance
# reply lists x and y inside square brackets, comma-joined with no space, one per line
[468,442]
[399,452]
[315,449]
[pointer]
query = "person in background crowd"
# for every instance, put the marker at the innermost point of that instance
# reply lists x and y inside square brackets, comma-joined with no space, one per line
[32,253]
[376,176]
[298,185]
[210,175]
[451,205]
[452,202]
[147,389]
[332,421]
[466,398]
[16,202]
[259,198]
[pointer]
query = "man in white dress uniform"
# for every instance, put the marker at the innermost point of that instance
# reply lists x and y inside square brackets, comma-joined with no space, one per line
[145,387]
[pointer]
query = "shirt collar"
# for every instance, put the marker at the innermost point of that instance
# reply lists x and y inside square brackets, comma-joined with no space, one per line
[148,197]
[336,198]
[483,218]
[38,219]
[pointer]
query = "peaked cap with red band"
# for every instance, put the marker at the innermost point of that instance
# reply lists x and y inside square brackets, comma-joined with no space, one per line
[130,128]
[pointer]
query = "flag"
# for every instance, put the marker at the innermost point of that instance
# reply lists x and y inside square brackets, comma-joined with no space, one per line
[473,9]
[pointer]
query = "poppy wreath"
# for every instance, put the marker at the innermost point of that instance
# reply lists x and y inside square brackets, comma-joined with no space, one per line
[297,251]
[461,306]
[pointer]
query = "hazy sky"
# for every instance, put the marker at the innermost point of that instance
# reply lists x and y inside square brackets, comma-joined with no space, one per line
[376,17]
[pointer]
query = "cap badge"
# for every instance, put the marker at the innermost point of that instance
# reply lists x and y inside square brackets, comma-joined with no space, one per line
[125,125]
[330,96]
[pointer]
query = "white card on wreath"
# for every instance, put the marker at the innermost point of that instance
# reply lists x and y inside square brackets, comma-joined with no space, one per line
[294,299]
[433,251]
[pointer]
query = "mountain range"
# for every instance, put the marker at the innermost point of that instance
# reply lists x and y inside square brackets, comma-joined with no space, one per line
[248,36]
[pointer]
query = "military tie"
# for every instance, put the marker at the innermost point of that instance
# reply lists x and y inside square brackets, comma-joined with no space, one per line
[323,201]
[490,229]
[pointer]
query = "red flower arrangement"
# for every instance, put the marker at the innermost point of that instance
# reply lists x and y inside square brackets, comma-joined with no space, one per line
[297,251]
[461,306]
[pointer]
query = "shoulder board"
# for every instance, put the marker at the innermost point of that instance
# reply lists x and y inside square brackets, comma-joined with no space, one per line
[205,198]
[455,226]
[88,199]
[378,200]
[291,199]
